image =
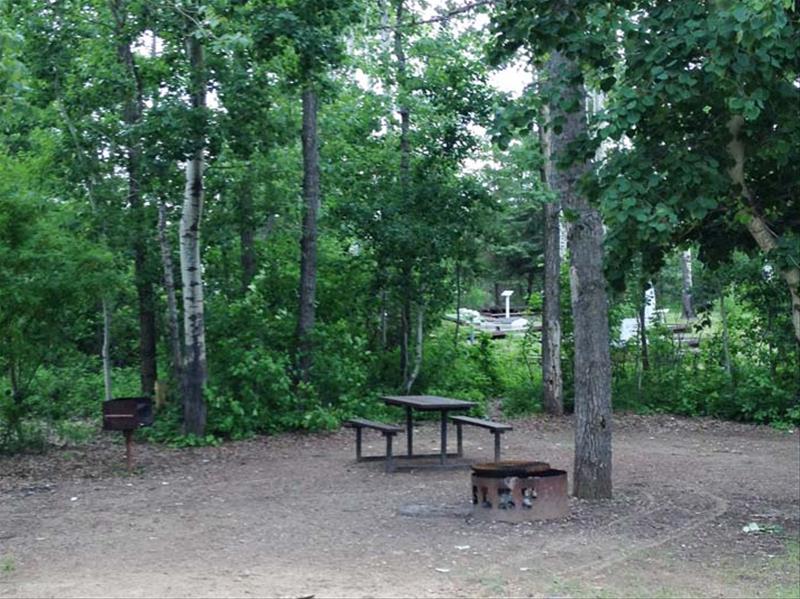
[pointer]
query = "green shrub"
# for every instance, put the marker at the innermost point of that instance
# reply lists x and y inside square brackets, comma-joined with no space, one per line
[697,383]
[461,370]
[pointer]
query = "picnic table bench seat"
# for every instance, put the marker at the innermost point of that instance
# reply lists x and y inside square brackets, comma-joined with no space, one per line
[497,429]
[388,431]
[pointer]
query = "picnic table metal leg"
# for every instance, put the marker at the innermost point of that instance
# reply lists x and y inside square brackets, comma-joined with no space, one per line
[409,431]
[389,456]
[497,446]
[358,444]
[459,439]
[443,454]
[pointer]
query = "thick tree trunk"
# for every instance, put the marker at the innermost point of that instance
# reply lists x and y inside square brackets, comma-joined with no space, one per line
[132,115]
[592,477]
[172,303]
[194,370]
[756,225]
[308,241]
[687,308]
[552,381]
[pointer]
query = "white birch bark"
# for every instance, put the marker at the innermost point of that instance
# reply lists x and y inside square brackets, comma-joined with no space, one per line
[194,370]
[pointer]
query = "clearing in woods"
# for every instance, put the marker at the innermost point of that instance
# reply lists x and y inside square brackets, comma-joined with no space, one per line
[293,515]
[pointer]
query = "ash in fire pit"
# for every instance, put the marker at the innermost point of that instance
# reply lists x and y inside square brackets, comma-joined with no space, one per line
[517,491]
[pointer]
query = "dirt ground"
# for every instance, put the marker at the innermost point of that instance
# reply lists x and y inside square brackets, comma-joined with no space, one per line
[295,516]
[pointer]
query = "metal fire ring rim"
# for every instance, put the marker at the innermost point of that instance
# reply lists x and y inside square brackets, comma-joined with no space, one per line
[506,468]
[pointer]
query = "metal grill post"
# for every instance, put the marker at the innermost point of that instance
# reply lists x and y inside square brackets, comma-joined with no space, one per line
[459,440]
[497,445]
[358,444]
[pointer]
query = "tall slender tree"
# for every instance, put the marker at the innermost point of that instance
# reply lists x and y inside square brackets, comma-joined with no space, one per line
[552,380]
[314,29]
[404,111]
[132,112]
[308,240]
[195,367]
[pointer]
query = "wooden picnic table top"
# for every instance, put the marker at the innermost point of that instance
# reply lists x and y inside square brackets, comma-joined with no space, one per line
[428,402]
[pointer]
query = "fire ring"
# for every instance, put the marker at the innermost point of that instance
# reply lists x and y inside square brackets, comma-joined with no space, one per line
[518,491]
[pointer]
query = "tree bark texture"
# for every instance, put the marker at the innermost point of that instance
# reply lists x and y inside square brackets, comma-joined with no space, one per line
[687,308]
[132,115]
[173,328]
[592,476]
[756,225]
[194,369]
[308,241]
[552,380]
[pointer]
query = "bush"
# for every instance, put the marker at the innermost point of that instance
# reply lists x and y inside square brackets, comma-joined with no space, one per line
[697,384]
[461,370]
[519,365]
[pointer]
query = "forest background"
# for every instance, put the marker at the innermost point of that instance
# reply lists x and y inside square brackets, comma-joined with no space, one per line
[269,206]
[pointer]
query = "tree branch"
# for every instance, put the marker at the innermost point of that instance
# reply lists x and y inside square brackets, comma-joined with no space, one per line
[456,12]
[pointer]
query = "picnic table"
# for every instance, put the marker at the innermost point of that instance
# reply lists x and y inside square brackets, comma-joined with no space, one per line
[427,403]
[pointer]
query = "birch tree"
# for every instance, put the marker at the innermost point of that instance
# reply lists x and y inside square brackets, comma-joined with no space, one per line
[195,367]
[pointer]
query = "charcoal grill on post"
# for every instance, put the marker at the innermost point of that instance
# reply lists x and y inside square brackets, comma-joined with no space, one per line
[126,414]
[518,491]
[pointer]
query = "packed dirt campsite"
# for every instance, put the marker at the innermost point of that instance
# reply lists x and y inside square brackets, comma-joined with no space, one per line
[399,298]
